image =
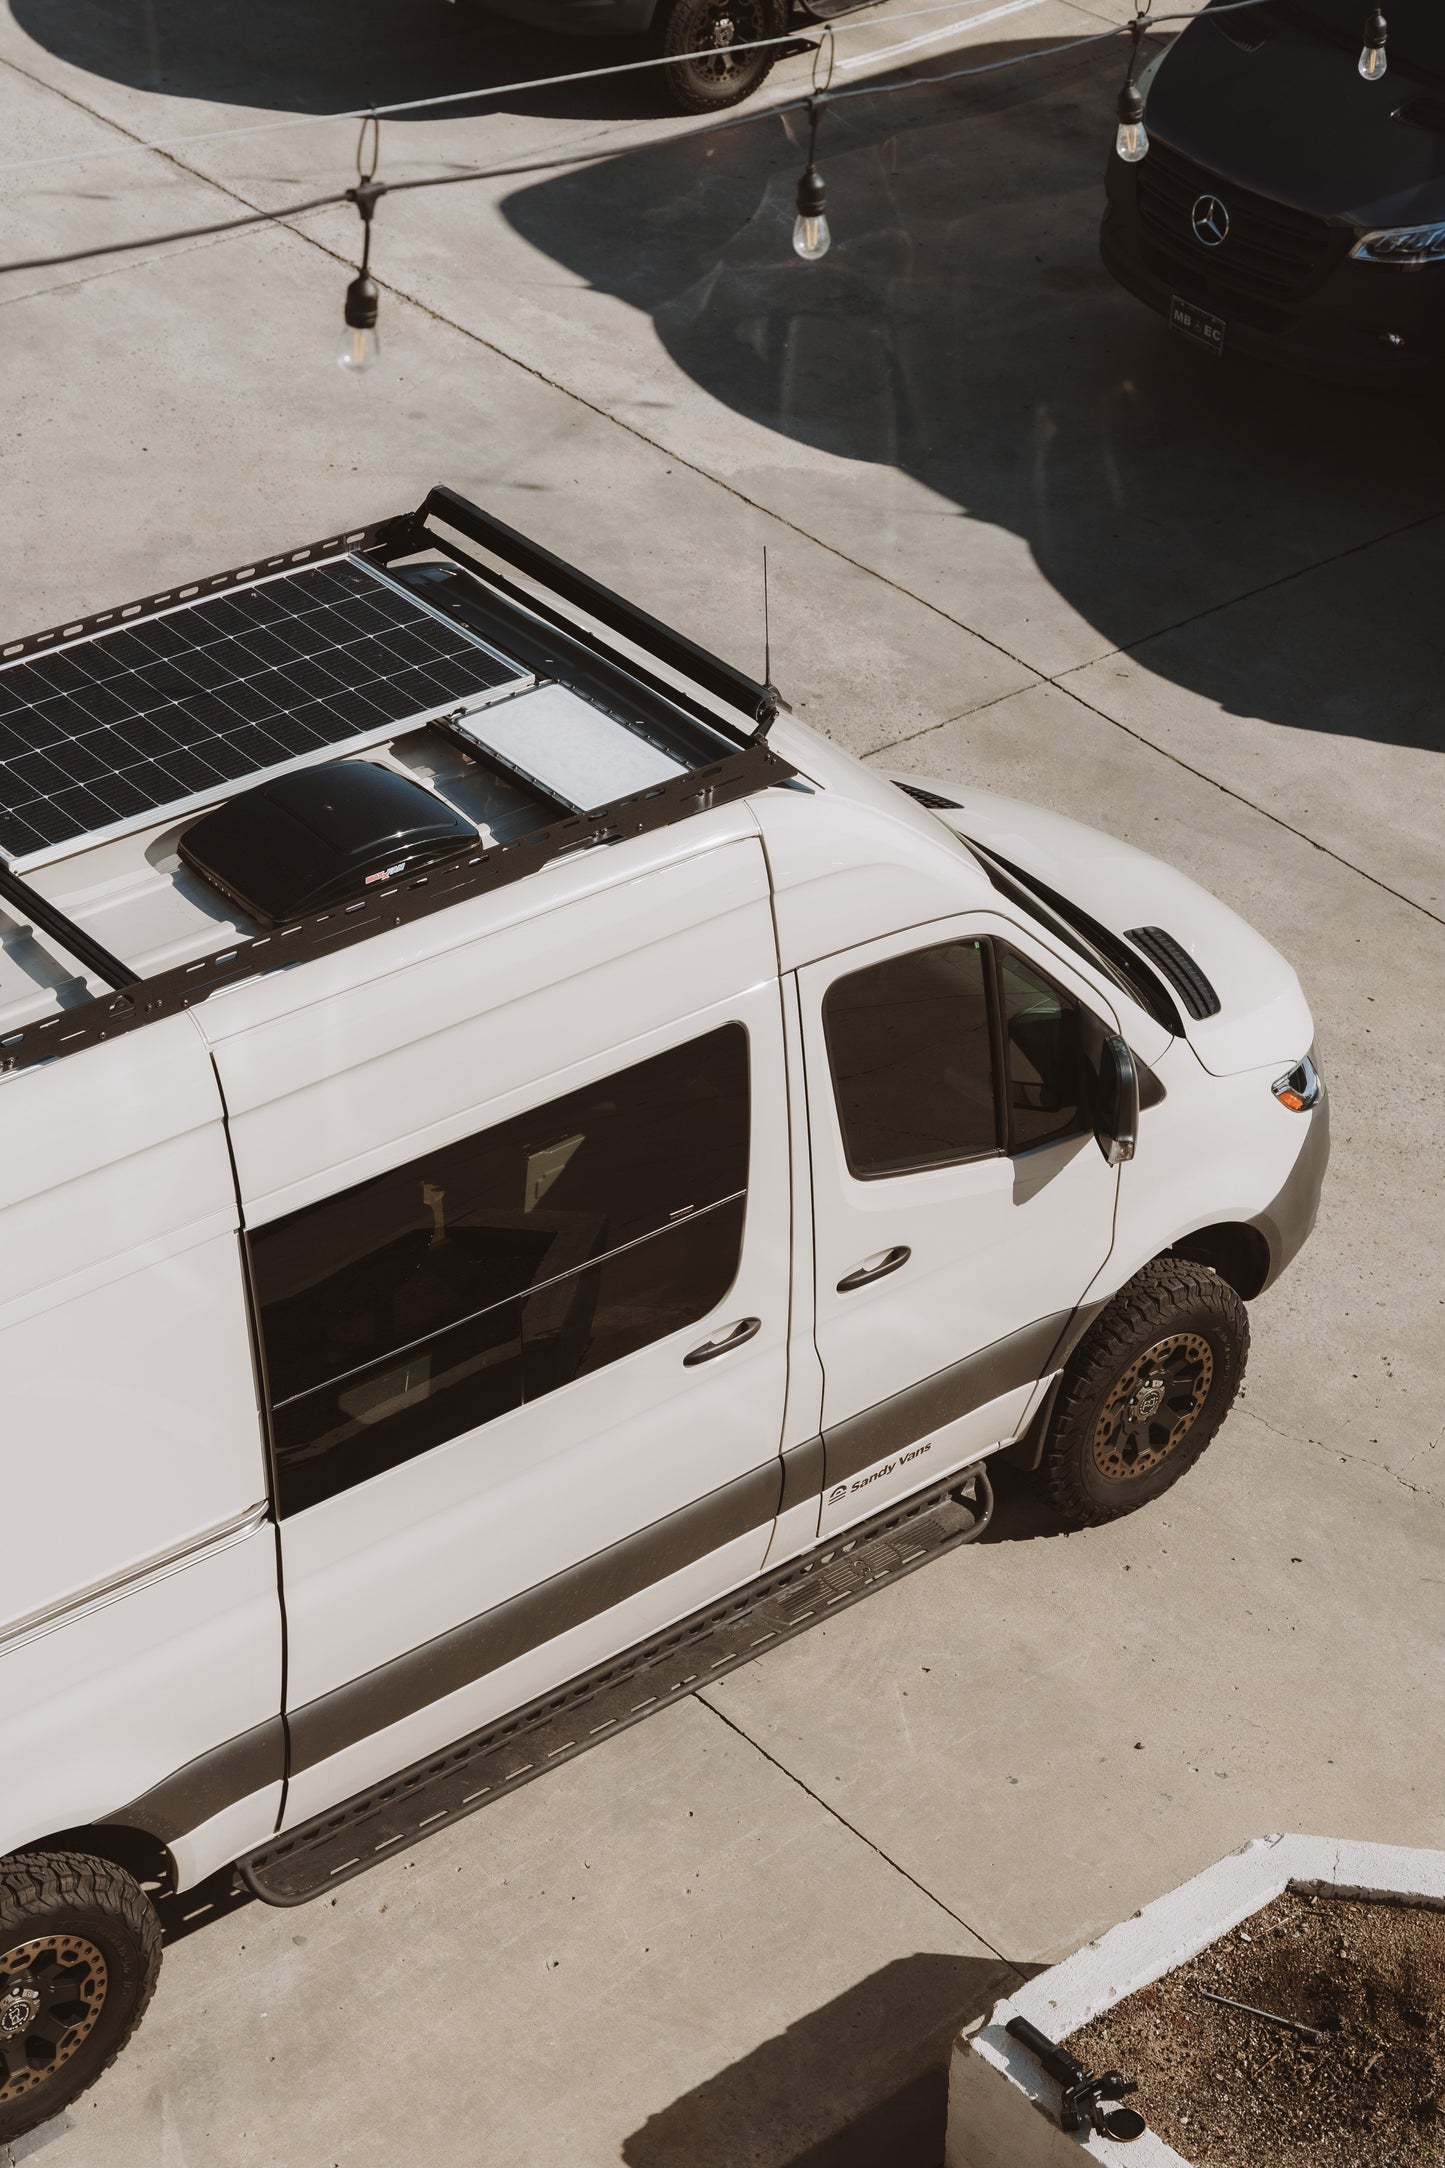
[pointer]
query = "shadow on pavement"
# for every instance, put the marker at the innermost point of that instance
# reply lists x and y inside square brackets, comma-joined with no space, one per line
[1019,1513]
[963,330]
[869,2068]
[327,56]
[221,1894]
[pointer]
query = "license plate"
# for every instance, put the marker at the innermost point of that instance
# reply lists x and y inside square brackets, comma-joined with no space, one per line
[1197,324]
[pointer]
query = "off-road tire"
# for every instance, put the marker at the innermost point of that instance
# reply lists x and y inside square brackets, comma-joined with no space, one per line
[89,1911]
[1086,1471]
[690,26]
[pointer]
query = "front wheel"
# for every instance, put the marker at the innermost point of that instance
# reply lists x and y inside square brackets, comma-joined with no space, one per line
[80,1947]
[724,68]
[1144,1392]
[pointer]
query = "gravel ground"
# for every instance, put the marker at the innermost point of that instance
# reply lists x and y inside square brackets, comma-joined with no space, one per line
[1231,2091]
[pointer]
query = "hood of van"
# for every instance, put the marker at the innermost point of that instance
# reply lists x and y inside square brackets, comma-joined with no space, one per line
[1263,1015]
[1272,101]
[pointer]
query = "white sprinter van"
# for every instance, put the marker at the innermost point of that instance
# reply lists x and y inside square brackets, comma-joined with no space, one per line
[528,1176]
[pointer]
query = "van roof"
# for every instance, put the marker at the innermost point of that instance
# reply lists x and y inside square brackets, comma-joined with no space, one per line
[577,697]
[546,711]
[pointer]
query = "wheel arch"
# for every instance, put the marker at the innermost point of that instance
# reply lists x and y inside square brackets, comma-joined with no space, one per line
[137,1851]
[1238,1252]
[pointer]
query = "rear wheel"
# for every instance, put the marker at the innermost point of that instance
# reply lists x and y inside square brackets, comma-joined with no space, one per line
[720,74]
[1144,1392]
[80,1947]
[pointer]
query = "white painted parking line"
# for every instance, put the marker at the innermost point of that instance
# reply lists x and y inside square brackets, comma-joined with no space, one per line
[933,37]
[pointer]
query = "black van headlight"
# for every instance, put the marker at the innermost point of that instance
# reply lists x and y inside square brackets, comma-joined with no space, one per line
[1300,1088]
[1402,244]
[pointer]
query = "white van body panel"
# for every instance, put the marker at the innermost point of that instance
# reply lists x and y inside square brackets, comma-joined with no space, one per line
[525,1679]
[375,1074]
[443,1537]
[923,1464]
[121,1695]
[326,1090]
[995,1244]
[854,857]
[1216,1150]
[123,1334]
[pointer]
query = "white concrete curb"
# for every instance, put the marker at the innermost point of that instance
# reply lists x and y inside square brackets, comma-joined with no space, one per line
[1003,2110]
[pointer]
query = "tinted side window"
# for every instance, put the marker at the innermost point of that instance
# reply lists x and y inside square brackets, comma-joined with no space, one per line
[637,1295]
[445,1292]
[910,1051]
[1048,1076]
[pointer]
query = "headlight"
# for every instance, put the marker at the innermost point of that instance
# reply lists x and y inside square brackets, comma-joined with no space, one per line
[1403,244]
[1300,1089]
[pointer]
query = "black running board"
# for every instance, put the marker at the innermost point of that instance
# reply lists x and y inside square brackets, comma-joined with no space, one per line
[346,1840]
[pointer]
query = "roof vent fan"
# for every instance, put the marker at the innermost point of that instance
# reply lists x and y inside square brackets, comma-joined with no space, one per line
[321,836]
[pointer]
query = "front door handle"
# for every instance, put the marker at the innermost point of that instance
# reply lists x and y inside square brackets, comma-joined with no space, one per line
[736,1336]
[875,1268]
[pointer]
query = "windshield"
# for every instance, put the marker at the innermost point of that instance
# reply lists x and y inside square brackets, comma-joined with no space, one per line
[1104,950]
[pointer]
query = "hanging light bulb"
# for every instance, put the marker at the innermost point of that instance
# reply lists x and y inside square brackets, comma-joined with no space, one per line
[1131,139]
[360,348]
[812,236]
[1372,52]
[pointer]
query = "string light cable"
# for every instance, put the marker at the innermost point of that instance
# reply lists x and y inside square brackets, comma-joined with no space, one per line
[372,189]
[862,18]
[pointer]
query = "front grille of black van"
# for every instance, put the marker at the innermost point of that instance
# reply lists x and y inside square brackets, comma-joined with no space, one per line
[1270,249]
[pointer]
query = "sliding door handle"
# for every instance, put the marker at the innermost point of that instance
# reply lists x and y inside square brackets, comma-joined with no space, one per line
[875,1268]
[736,1336]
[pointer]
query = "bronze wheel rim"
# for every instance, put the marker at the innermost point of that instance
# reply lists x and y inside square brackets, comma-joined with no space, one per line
[722,29]
[1152,1406]
[52,1991]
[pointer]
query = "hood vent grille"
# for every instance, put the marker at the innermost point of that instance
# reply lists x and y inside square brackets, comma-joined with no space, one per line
[1179,967]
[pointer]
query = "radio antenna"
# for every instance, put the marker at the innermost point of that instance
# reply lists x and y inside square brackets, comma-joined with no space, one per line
[767,630]
[772,699]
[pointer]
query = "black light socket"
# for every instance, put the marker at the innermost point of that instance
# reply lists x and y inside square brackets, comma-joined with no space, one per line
[812,195]
[362,301]
[1131,105]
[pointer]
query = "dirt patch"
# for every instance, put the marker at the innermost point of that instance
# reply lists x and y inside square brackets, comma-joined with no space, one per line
[1230,2091]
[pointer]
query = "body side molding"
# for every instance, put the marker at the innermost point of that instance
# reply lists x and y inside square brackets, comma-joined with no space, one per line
[1021,1358]
[209,1784]
[242,1765]
[802,1474]
[468,1652]
[116,1585]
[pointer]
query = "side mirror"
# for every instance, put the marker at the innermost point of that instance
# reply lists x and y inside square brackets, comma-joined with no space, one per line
[1116,1126]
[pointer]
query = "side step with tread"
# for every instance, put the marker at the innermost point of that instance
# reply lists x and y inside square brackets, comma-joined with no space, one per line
[314,1857]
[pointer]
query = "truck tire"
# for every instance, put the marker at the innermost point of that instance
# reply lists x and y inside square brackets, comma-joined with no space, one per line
[1144,1392]
[714,28]
[80,1948]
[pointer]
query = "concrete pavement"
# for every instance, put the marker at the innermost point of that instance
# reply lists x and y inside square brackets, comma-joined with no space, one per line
[1017,539]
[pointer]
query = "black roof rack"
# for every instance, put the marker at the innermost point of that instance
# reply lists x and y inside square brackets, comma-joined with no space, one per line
[556,621]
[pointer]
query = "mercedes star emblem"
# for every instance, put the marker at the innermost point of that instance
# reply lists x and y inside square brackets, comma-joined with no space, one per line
[1210,221]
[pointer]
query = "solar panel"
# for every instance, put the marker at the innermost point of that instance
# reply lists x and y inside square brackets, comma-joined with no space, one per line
[572,750]
[114,731]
